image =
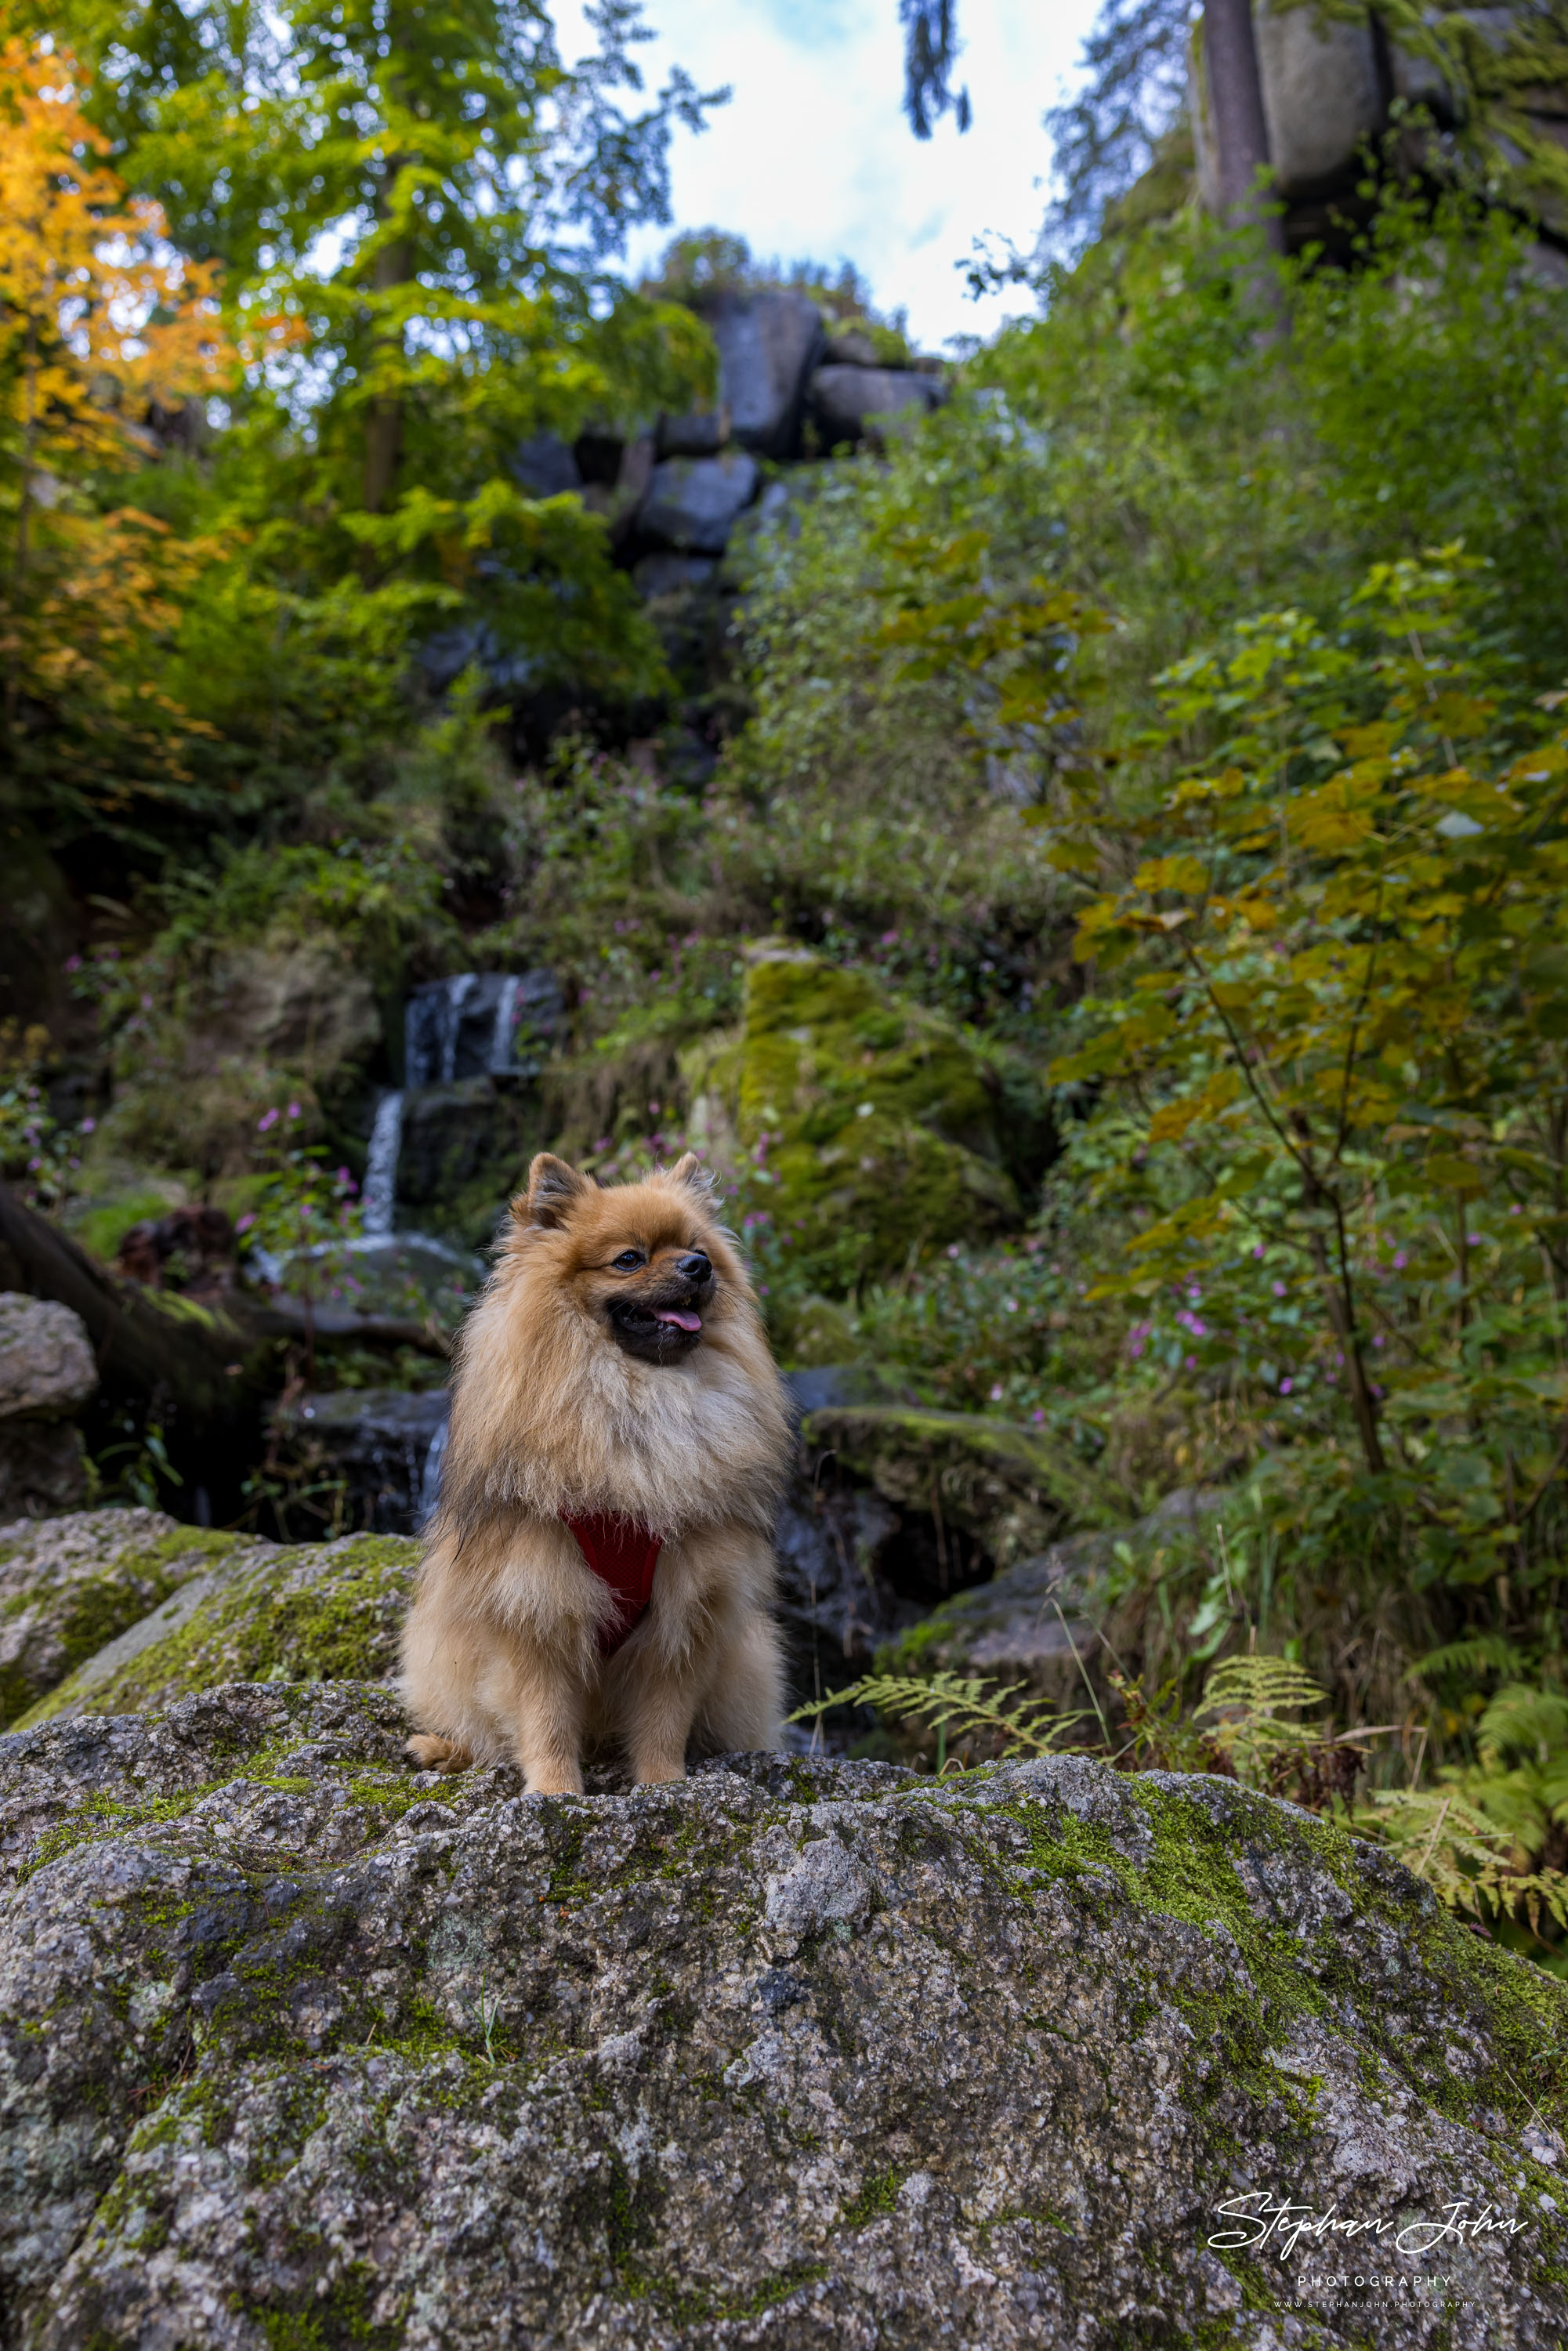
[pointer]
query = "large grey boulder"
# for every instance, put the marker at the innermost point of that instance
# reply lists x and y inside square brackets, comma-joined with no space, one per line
[768,343]
[47,1364]
[297,2047]
[47,1371]
[1037,1623]
[693,502]
[698,433]
[847,402]
[667,574]
[546,466]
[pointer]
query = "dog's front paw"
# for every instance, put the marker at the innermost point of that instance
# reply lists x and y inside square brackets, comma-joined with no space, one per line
[437,1754]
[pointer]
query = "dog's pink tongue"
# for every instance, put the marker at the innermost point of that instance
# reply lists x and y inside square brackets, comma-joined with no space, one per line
[680,1316]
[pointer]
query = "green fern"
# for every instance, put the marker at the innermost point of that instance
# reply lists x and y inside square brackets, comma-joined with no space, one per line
[1246,1699]
[1465,1858]
[1484,1653]
[955,1707]
[1524,1726]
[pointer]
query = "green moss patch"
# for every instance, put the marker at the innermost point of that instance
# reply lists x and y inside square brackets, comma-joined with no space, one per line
[872,1126]
[320,1612]
[67,1586]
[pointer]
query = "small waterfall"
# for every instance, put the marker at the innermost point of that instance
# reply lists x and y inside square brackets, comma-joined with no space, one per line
[435,1024]
[506,1022]
[458,990]
[429,1483]
[379,1198]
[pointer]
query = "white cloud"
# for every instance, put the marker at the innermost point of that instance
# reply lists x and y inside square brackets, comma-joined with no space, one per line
[813,158]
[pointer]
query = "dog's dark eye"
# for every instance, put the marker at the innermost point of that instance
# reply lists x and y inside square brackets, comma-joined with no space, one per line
[629,1260]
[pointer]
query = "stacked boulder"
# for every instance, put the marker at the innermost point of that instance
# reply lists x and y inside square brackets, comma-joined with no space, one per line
[791,386]
[1336,82]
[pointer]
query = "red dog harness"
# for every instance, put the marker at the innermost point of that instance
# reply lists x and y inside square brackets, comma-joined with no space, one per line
[623,1555]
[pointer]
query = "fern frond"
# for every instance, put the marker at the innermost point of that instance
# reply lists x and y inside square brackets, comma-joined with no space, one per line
[1263,1686]
[1248,1698]
[1463,1856]
[1523,1725]
[1484,1653]
[948,1702]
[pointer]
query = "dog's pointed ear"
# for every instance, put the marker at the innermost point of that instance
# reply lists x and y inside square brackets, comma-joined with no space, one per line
[553,1187]
[689,1170]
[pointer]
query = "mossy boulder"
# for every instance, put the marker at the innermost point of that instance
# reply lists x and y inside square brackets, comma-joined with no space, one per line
[296,1613]
[1008,1489]
[69,1584]
[299,2047]
[871,1129]
[1036,1624]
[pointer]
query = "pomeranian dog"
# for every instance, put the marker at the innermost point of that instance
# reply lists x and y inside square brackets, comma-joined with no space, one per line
[601,1566]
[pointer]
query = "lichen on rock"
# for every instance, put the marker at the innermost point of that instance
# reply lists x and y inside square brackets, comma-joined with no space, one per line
[300,1612]
[299,2047]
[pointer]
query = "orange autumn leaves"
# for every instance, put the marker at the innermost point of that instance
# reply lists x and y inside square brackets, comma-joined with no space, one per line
[97,316]
[99,321]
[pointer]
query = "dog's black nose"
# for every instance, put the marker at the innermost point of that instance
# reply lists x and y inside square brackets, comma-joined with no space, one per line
[695,1266]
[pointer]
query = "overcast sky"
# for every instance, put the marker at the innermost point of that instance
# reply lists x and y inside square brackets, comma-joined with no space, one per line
[813,158]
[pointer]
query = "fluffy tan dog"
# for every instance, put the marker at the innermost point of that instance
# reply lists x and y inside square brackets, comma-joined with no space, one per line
[601,1567]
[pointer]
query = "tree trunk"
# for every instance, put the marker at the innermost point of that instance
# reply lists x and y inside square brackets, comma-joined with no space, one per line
[383,426]
[1236,96]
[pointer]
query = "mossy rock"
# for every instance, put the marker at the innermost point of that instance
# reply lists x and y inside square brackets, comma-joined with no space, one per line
[69,1584]
[873,1128]
[1007,1488]
[1032,1627]
[304,1612]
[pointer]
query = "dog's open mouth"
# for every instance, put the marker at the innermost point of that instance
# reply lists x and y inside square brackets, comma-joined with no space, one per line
[658,1332]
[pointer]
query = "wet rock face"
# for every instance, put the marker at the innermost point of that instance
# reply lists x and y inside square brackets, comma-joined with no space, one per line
[465,1147]
[379,1442]
[299,2047]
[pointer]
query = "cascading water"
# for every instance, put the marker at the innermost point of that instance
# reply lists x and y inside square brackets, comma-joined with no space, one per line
[434,1027]
[379,1198]
[430,1481]
[473,1025]
[502,1041]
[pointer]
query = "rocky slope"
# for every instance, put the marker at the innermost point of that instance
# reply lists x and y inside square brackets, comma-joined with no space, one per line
[300,2048]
